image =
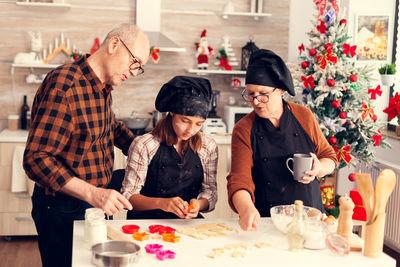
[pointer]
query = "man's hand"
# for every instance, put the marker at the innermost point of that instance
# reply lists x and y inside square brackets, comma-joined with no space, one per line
[109,200]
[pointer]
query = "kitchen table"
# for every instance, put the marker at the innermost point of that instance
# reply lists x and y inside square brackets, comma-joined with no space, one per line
[193,252]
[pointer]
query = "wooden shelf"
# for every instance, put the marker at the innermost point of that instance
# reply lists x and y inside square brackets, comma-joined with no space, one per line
[36,66]
[40,4]
[216,71]
[256,16]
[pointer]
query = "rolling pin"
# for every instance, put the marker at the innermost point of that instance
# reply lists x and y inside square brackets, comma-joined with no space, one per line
[115,234]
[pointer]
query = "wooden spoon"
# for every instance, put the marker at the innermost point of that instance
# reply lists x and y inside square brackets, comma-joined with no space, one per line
[366,189]
[384,187]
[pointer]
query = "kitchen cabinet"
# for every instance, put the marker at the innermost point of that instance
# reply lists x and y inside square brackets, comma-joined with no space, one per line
[15,208]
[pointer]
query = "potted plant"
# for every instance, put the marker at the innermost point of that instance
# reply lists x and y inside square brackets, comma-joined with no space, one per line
[387,72]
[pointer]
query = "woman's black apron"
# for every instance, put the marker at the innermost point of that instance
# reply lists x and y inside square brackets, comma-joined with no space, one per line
[271,148]
[170,176]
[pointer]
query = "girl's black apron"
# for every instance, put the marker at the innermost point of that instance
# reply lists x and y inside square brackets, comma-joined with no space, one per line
[169,176]
[271,148]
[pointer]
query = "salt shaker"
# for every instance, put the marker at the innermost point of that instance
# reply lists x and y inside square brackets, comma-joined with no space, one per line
[95,227]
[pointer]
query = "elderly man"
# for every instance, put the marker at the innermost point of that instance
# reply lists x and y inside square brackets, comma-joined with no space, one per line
[69,153]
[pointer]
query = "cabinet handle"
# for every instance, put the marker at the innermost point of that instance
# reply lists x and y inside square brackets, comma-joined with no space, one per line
[23,219]
[22,195]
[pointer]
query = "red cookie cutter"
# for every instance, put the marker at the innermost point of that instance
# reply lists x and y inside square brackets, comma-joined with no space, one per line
[165,254]
[156,228]
[130,228]
[153,248]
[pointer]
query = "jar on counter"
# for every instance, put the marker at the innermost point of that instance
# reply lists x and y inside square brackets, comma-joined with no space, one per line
[95,227]
[315,235]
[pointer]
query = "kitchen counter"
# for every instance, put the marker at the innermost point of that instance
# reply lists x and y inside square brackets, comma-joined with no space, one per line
[8,136]
[193,252]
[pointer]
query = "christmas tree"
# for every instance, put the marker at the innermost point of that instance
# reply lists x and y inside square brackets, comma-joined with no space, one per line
[337,91]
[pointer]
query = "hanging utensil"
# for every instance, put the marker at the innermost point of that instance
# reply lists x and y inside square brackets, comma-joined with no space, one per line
[384,187]
[366,189]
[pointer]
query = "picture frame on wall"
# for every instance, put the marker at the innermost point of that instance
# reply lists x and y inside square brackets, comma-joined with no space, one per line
[372,37]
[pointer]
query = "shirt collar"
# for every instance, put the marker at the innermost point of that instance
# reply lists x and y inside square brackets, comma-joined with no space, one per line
[92,77]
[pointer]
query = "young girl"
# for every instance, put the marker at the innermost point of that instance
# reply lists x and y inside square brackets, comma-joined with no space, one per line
[174,165]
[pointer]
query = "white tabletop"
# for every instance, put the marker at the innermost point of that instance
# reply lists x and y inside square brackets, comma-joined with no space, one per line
[193,252]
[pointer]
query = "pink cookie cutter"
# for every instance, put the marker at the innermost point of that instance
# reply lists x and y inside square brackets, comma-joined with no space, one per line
[153,248]
[165,254]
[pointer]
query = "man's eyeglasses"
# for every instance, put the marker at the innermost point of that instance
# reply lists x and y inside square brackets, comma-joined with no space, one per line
[135,65]
[263,98]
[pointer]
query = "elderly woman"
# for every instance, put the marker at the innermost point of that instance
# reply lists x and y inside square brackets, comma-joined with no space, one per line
[174,165]
[264,139]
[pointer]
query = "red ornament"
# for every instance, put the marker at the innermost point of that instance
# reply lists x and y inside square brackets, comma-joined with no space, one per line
[312,52]
[353,78]
[374,118]
[330,82]
[304,64]
[335,104]
[343,115]
[236,83]
[343,21]
[352,177]
[332,140]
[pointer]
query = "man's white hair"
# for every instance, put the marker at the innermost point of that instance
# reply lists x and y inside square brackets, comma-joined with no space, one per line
[126,32]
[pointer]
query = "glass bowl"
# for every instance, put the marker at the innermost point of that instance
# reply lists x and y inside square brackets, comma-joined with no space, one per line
[282,215]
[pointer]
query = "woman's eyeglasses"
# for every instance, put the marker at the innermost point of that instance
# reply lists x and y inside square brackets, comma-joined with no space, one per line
[263,98]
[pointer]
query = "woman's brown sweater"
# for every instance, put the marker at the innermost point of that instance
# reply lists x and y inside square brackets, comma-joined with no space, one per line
[242,152]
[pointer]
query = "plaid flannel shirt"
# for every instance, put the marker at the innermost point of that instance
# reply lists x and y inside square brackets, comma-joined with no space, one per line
[142,151]
[73,129]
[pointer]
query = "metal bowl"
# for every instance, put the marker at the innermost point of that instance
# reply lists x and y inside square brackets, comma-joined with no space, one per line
[115,254]
[136,123]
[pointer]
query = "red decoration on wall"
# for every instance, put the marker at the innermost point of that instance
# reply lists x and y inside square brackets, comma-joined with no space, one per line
[95,46]
[312,52]
[304,64]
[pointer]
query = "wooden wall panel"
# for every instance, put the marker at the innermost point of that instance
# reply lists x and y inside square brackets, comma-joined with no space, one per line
[88,19]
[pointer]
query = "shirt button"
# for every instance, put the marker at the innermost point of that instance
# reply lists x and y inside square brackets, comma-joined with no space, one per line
[268,183]
[261,137]
[265,159]
[295,134]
